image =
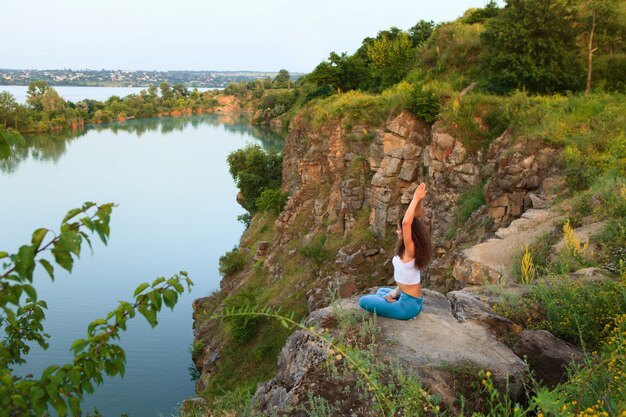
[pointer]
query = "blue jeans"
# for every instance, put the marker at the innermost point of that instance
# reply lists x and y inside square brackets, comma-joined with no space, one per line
[406,307]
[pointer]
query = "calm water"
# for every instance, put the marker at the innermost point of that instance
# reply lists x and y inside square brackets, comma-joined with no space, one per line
[76,94]
[177,211]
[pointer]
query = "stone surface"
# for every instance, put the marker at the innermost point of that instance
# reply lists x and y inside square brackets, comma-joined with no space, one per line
[548,356]
[431,345]
[491,261]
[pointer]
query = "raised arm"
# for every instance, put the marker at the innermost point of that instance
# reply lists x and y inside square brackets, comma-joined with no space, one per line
[414,210]
[418,210]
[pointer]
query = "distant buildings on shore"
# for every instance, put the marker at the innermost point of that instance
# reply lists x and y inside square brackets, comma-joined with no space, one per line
[122,78]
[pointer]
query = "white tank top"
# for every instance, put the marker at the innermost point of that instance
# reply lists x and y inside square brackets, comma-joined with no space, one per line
[405,273]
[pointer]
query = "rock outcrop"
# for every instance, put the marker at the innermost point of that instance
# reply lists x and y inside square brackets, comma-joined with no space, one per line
[433,345]
[344,179]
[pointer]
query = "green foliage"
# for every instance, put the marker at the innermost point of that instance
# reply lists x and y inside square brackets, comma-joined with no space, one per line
[282,80]
[478,119]
[341,72]
[47,111]
[481,15]
[426,105]
[62,387]
[391,58]
[531,45]
[579,322]
[232,262]
[421,31]
[243,328]
[254,169]
[10,142]
[468,202]
[454,48]
[272,200]
[245,218]
[277,102]
[316,251]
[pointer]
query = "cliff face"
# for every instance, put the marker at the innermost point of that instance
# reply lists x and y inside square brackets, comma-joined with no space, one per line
[349,185]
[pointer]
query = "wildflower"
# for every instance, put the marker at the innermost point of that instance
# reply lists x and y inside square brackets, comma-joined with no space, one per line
[488,374]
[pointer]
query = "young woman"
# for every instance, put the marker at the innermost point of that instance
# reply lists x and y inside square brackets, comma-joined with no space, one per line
[413,253]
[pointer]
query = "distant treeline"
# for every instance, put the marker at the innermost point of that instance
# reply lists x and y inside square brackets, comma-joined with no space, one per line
[45,110]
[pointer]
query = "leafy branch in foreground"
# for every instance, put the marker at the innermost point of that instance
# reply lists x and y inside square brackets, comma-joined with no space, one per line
[22,315]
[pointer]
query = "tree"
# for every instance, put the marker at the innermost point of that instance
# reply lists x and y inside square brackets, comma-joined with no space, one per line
[34,94]
[180,90]
[22,316]
[391,58]
[282,80]
[166,91]
[51,101]
[7,106]
[490,10]
[254,170]
[341,72]
[421,31]
[604,29]
[531,45]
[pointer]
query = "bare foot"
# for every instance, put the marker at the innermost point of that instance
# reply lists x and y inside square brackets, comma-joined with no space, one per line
[390,298]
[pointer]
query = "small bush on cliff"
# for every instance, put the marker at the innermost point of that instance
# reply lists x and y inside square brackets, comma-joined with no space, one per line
[426,104]
[316,251]
[243,328]
[232,262]
[272,200]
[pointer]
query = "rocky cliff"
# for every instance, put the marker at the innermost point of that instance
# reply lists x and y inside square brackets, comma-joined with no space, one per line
[350,183]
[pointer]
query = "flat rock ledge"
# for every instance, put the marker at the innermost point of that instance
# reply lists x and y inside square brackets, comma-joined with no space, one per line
[452,332]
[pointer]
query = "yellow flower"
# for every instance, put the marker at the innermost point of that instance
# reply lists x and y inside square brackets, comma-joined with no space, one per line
[488,374]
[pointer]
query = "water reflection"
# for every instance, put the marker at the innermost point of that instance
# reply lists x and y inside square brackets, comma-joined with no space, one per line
[51,147]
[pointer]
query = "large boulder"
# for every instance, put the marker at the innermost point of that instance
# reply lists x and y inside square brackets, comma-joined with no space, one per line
[547,355]
[432,345]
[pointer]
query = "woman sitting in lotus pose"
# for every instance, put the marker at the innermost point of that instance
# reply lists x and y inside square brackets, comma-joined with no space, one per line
[413,253]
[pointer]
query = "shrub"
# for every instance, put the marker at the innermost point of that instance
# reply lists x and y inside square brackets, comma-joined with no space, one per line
[468,202]
[232,262]
[578,311]
[426,105]
[272,200]
[243,328]
[254,169]
[316,251]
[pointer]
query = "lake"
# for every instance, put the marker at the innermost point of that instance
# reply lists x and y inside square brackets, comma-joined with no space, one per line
[176,211]
[76,93]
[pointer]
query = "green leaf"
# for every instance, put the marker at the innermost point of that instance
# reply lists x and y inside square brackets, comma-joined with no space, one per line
[74,404]
[89,224]
[78,346]
[25,262]
[62,257]
[157,281]
[38,236]
[140,288]
[48,267]
[170,298]
[3,254]
[70,214]
[150,316]
[30,291]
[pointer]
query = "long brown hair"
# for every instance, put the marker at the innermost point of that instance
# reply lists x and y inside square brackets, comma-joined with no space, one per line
[421,240]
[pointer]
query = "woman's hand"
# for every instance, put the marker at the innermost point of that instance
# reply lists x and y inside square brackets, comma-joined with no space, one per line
[420,192]
[390,298]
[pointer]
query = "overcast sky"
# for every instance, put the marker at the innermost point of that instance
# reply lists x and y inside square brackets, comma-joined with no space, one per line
[263,35]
